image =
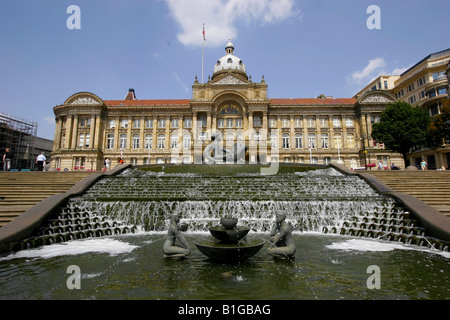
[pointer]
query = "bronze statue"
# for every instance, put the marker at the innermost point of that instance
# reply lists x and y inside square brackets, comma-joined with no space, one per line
[283,245]
[171,250]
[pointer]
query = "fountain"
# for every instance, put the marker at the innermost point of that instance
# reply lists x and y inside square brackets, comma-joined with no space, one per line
[230,244]
[118,230]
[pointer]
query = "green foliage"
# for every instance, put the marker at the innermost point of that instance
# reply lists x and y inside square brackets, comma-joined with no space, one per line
[440,125]
[402,127]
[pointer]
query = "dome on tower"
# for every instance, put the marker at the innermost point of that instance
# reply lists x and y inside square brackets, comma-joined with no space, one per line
[229,62]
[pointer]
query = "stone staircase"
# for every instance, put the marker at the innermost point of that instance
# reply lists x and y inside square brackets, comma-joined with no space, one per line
[19,191]
[432,187]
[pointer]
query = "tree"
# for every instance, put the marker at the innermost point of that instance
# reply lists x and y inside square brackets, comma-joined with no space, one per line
[439,129]
[402,127]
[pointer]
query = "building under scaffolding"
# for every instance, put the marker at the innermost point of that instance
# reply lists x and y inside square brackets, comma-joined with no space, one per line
[20,136]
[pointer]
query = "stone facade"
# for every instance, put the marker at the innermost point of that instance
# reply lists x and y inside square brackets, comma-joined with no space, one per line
[319,130]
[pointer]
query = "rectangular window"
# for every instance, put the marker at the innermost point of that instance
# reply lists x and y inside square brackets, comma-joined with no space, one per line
[350,141]
[174,141]
[87,140]
[324,140]
[285,122]
[161,141]
[312,140]
[273,140]
[85,122]
[110,142]
[298,141]
[124,123]
[123,141]
[220,123]
[202,136]
[311,122]
[187,142]
[229,123]
[256,121]
[149,123]
[272,122]
[338,141]
[238,123]
[285,140]
[442,90]
[349,122]
[161,123]
[174,123]
[148,141]
[81,140]
[298,122]
[336,122]
[188,123]
[136,123]
[111,123]
[136,141]
[324,122]
[385,84]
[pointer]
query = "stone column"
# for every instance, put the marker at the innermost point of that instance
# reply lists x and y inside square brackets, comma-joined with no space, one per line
[68,141]
[75,132]
[116,134]
[141,133]
[58,129]
[98,133]
[92,133]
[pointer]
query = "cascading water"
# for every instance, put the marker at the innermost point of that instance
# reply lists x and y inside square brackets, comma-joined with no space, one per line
[315,201]
[323,200]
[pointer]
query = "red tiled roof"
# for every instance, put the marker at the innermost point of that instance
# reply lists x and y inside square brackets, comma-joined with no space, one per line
[185,102]
[134,103]
[312,101]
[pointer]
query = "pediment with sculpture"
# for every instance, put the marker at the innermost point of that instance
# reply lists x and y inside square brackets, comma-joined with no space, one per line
[377,97]
[84,98]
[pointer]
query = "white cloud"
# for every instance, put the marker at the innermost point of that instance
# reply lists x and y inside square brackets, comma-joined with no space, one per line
[178,79]
[374,68]
[220,17]
[369,72]
[50,119]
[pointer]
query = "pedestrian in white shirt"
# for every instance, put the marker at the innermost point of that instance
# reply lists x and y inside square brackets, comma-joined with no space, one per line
[40,161]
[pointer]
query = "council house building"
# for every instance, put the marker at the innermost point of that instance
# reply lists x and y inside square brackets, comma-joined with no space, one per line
[318,130]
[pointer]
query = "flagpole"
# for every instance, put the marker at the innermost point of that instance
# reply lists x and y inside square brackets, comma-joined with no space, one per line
[203,51]
[203,57]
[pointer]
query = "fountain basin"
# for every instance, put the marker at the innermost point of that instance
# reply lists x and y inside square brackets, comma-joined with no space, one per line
[229,235]
[226,252]
[229,223]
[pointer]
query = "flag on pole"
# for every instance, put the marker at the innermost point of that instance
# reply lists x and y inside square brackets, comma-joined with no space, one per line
[204,34]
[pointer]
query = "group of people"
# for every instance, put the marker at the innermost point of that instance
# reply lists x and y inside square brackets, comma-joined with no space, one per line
[8,155]
[282,242]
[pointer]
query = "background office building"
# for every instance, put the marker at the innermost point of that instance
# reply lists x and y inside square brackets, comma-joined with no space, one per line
[425,84]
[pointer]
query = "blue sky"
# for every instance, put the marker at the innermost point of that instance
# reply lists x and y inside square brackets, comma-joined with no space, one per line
[302,47]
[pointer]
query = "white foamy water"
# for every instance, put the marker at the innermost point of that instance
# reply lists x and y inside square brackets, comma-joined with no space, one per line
[110,246]
[370,245]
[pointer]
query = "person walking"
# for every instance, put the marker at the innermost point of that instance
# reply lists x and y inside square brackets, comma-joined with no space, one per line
[423,164]
[107,164]
[7,156]
[380,165]
[40,160]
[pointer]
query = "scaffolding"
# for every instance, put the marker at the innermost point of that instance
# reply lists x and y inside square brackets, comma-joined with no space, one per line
[19,136]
